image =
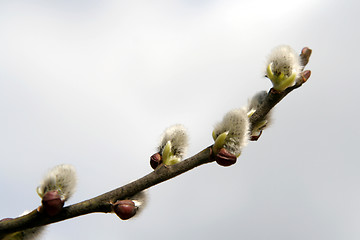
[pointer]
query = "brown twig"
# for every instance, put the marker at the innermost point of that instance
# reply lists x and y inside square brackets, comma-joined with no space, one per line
[103,203]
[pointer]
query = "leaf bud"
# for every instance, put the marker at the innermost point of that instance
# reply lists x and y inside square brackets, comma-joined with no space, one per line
[52,203]
[125,209]
[224,158]
[155,160]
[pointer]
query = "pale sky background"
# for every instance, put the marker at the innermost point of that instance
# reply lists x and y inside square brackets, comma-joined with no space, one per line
[94,84]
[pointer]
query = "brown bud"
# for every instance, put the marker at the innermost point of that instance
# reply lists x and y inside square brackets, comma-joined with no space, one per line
[224,158]
[52,203]
[125,209]
[305,55]
[305,75]
[155,160]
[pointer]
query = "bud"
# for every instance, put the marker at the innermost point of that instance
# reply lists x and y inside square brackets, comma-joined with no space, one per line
[52,203]
[253,105]
[125,209]
[224,158]
[61,178]
[57,186]
[283,67]
[172,147]
[155,160]
[232,133]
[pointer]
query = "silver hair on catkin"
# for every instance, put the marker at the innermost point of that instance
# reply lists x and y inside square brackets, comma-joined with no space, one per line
[254,105]
[232,133]
[173,144]
[62,179]
[28,234]
[130,207]
[283,67]
[140,200]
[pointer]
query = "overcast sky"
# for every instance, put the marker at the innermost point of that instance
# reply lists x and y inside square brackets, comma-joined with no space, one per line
[94,84]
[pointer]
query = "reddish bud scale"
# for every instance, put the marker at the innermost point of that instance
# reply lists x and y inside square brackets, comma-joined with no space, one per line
[125,209]
[305,55]
[155,160]
[306,75]
[256,137]
[52,203]
[224,158]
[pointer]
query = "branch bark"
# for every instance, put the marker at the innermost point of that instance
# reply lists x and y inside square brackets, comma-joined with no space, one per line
[103,203]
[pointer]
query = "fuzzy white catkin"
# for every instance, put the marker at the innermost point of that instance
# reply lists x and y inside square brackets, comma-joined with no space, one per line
[178,137]
[61,178]
[140,200]
[284,60]
[32,233]
[236,123]
[28,234]
[254,104]
[256,101]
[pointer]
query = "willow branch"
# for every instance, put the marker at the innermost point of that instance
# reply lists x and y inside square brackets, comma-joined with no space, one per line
[274,97]
[103,203]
